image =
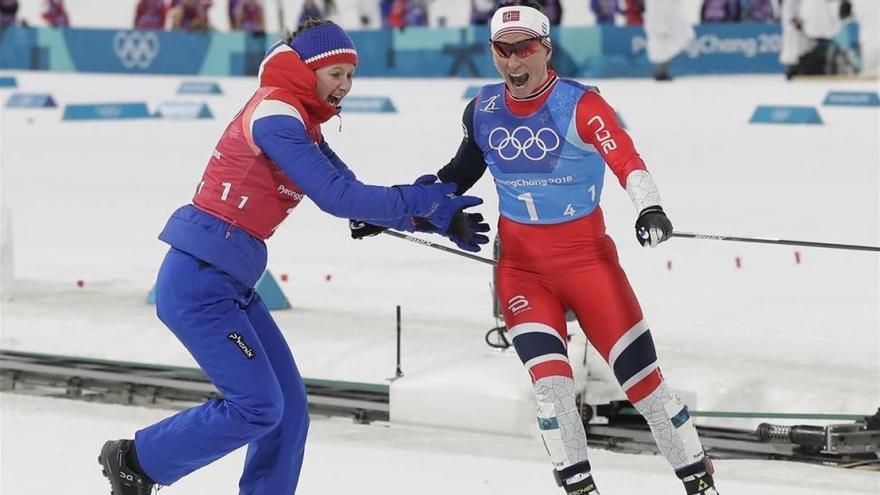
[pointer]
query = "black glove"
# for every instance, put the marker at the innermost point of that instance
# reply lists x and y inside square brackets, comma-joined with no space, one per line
[653,226]
[465,228]
[360,229]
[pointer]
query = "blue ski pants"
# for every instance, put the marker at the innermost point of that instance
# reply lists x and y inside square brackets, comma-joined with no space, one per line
[228,330]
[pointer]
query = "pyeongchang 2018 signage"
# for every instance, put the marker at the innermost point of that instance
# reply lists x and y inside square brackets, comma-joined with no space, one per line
[716,49]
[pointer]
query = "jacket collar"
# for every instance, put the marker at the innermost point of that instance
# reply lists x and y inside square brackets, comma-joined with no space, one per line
[282,68]
[531,103]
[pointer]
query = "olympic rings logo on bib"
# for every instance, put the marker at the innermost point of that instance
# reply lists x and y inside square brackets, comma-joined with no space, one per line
[523,141]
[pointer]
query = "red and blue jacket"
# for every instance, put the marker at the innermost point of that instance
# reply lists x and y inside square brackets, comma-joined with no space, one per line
[269,158]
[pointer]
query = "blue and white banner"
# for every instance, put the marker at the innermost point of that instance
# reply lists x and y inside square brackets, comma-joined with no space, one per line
[199,88]
[183,110]
[736,48]
[786,114]
[106,111]
[368,104]
[148,52]
[31,100]
[852,99]
[595,51]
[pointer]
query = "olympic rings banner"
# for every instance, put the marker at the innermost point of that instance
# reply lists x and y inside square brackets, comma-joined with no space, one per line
[596,51]
[131,51]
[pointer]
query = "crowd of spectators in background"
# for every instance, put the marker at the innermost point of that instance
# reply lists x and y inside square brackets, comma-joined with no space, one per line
[482,10]
[739,10]
[192,15]
[631,12]
[607,11]
[249,16]
[186,15]
[54,13]
[816,38]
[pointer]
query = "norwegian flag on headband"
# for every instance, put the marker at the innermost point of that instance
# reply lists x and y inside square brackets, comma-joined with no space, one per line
[511,16]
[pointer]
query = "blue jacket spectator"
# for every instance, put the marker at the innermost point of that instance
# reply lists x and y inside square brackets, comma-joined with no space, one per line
[553,10]
[482,10]
[416,13]
[604,10]
[8,11]
[385,12]
[310,10]
[758,10]
[720,11]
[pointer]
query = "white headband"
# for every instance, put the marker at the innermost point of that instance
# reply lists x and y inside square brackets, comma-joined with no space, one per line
[520,19]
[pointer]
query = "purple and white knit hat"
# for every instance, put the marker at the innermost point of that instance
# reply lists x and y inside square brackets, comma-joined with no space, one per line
[324,44]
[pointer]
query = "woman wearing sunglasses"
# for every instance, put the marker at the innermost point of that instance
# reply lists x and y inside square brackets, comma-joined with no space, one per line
[547,142]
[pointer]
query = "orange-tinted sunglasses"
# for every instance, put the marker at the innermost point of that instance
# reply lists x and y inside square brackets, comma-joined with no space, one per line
[522,49]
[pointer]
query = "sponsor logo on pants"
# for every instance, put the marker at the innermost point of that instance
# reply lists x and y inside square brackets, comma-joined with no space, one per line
[517,304]
[245,349]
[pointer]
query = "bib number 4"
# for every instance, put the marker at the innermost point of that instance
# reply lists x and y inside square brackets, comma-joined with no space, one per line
[568,211]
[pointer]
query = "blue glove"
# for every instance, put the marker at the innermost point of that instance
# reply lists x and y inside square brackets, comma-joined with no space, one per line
[438,210]
[421,224]
[360,229]
[464,229]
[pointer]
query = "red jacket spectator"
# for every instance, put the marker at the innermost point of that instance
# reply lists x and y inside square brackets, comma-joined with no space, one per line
[190,15]
[249,16]
[397,16]
[150,14]
[633,12]
[55,14]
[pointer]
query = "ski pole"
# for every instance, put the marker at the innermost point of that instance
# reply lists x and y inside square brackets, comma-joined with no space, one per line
[439,246]
[764,240]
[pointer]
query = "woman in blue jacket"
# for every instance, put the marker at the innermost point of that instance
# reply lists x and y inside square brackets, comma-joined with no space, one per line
[269,158]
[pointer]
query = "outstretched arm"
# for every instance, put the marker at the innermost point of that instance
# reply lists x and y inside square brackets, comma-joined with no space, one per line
[278,130]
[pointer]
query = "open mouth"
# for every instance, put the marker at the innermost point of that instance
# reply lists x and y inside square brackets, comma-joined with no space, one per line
[333,100]
[519,80]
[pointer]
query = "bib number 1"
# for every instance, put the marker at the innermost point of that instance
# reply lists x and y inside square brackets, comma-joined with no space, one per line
[530,205]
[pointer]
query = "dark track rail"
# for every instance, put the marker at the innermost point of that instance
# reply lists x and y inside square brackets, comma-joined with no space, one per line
[846,445]
[120,382]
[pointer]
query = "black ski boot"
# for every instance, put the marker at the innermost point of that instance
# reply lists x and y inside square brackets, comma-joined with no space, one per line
[585,486]
[700,484]
[120,467]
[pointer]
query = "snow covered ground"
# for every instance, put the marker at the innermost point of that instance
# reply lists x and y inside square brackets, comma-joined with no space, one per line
[51,445]
[87,200]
